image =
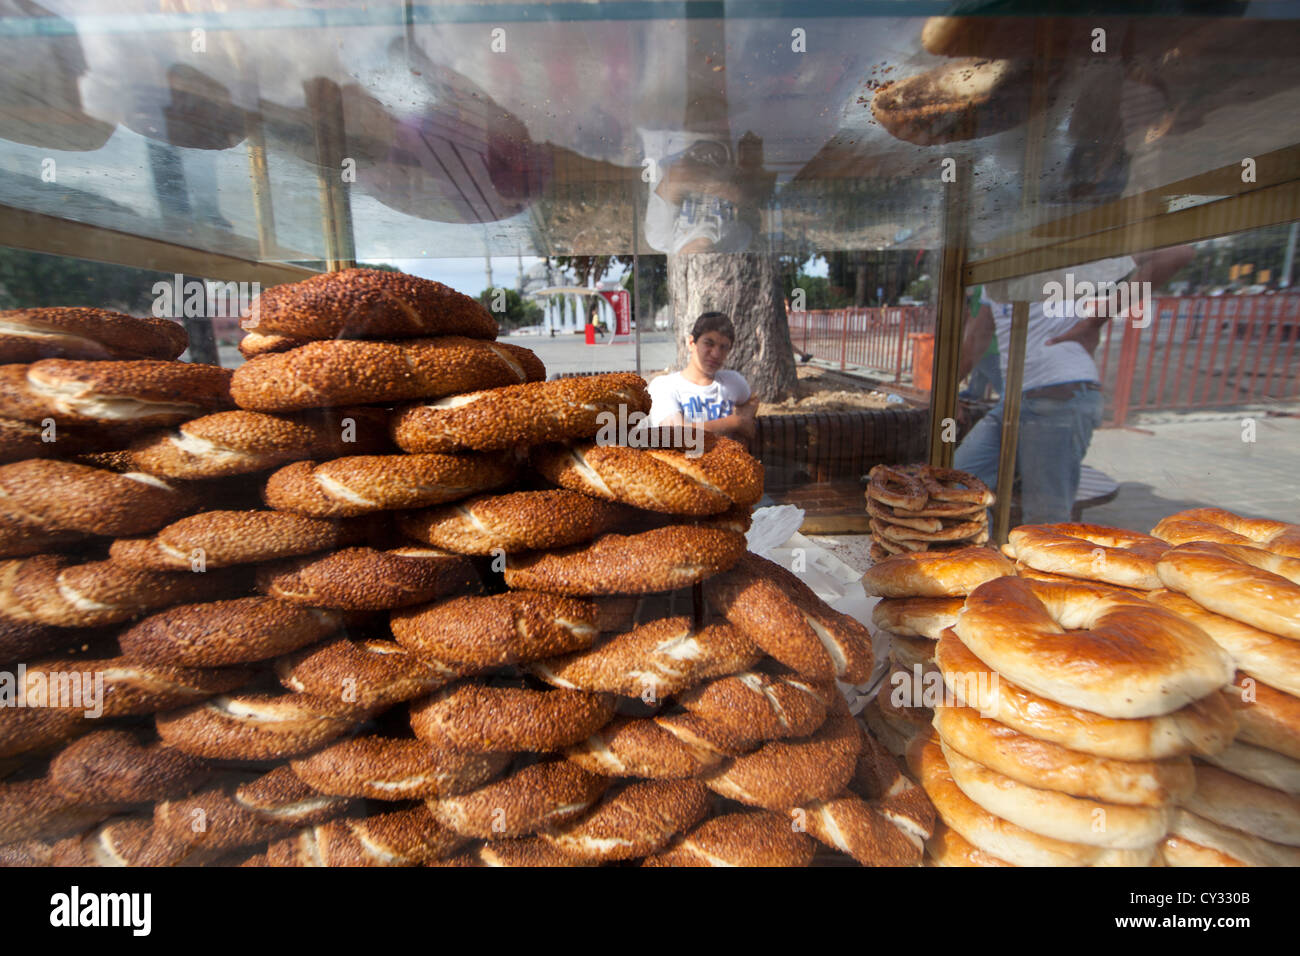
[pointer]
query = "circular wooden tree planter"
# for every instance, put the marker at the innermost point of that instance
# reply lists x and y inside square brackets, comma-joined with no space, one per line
[838,446]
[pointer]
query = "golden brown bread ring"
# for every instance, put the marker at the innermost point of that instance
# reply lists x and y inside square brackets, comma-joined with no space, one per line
[1259,765]
[1247,584]
[478,633]
[22,440]
[527,414]
[897,487]
[890,516]
[143,392]
[395,769]
[636,821]
[851,825]
[784,617]
[367,579]
[638,747]
[35,810]
[364,484]
[530,851]
[257,726]
[653,661]
[1196,841]
[1091,648]
[227,632]
[660,560]
[342,372]
[110,766]
[754,838]
[1204,726]
[1232,801]
[281,797]
[210,821]
[254,344]
[243,442]
[473,718]
[671,480]
[47,589]
[409,837]
[1266,717]
[367,304]
[917,617]
[23,537]
[25,640]
[1223,527]
[782,775]
[935,574]
[371,674]
[1091,552]
[972,532]
[530,800]
[1033,574]
[949,848]
[515,521]
[27,335]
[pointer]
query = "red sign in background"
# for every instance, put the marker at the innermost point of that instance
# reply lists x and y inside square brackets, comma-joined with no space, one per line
[622,304]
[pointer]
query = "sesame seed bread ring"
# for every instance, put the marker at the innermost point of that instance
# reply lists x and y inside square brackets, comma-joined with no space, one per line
[243,442]
[660,560]
[1091,648]
[638,820]
[913,489]
[510,628]
[782,775]
[372,674]
[1266,717]
[367,304]
[83,333]
[1204,726]
[733,715]
[1246,584]
[1049,766]
[110,766]
[143,392]
[342,372]
[1091,552]
[515,521]
[257,726]
[132,688]
[638,747]
[409,837]
[877,778]
[897,487]
[24,640]
[530,851]
[1232,801]
[1196,841]
[784,617]
[395,769]
[655,660]
[1264,656]
[254,344]
[917,617]
[536,798]
[671,480]
[527,414]
[949,848]
[124,841]
[1224,527]
[849,824]
[935,574]
[22,537]
[208,821]
[473,718]
[1259,765]
[34,810]
[367,579]
[740,839]
[364,484]
[63,496]
[47,589]
[281,797]
[227,632]
[22,440]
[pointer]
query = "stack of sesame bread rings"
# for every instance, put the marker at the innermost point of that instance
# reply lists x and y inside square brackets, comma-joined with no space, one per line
[384,596]
[1100,697]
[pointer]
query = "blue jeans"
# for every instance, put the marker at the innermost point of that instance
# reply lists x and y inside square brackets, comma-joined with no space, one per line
[1054,437]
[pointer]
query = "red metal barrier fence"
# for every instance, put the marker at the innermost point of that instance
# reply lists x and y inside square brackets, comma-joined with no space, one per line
[873,339]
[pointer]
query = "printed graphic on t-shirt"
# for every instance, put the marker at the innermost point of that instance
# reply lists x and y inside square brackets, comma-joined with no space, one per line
[696,409]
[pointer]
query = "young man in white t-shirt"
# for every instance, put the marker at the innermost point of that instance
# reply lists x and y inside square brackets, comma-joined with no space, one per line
[717,398]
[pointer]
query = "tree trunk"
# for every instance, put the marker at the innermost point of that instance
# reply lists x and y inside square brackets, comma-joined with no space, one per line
[746,287]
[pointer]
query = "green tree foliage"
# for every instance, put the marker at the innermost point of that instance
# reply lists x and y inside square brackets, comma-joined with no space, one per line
[517,310]
[33,280]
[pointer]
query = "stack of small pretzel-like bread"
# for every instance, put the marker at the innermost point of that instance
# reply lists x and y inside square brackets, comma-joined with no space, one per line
[917,508]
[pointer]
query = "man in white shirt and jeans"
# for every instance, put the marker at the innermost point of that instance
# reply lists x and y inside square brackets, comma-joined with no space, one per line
[717,399]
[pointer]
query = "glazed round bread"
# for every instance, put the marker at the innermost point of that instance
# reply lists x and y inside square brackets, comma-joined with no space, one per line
[917,617]
[653,661]
[784,617]
[672,480]
[1204,726]
[733,715]
[1223,527]
[1048,766]
[949,848]
[1266,717]
[409,837]
[27,335]
[536,798]
[1091,552]
[372,674]
[636,821]
[34,810]
[849,824]
[367,579]
[908,652]
[383,769]
[914,489]
[1196,841]
[998,837]
[1261,766]
[281,797]
[1033,574]
[782,775]
[660,560]
[63,496]
[475,718]
[898,703]
[1274,660]
[1255,587]
[527,414]
[110,766]
[242,442]
[227,632]
[1091,648]
[639,747]
[935,574]
[1232,801]
[257,726]
[752,838]
[367,304]
[514,521]
[364,484]
[342,372]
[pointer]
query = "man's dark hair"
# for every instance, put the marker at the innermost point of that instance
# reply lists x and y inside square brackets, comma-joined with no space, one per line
[713,322]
